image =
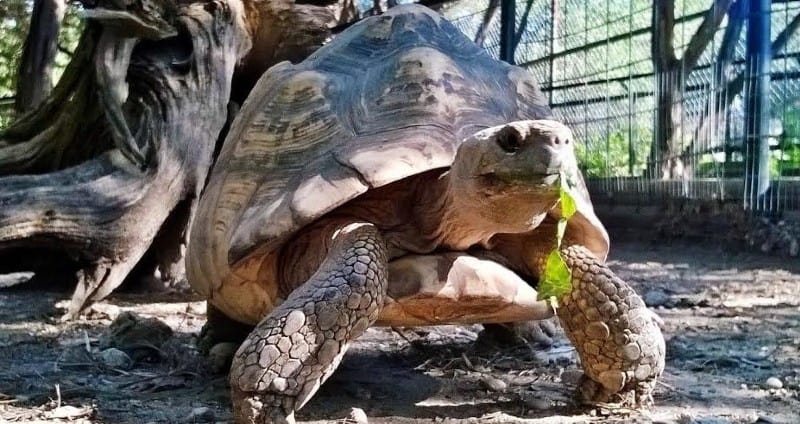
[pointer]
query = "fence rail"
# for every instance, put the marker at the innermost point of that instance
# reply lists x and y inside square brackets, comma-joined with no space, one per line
[595,62]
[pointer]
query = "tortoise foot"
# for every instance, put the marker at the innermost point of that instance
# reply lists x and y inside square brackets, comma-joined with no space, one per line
[617,338]
[262,409]
[591,392]
[290,353]
[220,329]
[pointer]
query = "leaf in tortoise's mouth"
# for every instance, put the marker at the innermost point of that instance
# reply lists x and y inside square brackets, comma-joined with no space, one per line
[556,280]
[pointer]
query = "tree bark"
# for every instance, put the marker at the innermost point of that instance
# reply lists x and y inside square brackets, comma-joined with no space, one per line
[666,159]
[664,65]
[39,54]
[107,170]
[154,84]
[286,30]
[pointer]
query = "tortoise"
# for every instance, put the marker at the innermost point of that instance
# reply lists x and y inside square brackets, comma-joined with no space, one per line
[401,176]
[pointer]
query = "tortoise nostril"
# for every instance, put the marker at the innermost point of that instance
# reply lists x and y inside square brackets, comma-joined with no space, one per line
[509,140]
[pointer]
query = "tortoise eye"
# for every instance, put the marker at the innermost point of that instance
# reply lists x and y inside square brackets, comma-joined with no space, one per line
[509,140]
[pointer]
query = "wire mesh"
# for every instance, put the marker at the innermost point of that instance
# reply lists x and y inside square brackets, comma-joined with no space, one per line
[595,62]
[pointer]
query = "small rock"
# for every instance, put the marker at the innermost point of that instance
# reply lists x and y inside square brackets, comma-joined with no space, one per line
[139,337]
[358,416]
[537,403]
[201,415]
[773,383]
[655,298]
[115,358]
[494,384]
[221,355]
[763,419]
[69,412]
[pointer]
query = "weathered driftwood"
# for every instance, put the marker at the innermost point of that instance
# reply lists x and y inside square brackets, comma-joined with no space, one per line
[105,172]
[125,141]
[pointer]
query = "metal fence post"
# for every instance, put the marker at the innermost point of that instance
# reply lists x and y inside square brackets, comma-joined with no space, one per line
[507,22]
[757,107]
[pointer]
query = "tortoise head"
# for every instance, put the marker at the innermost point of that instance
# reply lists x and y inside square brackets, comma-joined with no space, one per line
[509,174]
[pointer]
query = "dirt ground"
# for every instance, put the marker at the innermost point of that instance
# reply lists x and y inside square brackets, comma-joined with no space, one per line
[732,321]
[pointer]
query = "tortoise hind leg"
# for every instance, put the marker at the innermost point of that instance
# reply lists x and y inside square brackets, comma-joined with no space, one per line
[540,333]
[220,329]
[300,343]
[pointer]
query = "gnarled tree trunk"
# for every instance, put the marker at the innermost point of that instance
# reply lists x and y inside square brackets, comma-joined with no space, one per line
[126,139]
[107,170]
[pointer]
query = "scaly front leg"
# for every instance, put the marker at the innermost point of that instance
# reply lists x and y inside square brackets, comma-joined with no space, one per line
[301,342]
[620,344]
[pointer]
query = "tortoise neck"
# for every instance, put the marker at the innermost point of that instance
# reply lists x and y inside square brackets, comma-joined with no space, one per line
[449,222]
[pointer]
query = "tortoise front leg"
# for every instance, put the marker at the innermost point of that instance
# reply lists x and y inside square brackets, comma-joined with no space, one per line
[300,343]
[620,345]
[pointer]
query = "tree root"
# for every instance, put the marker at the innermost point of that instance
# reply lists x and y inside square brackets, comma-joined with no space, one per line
[105,206]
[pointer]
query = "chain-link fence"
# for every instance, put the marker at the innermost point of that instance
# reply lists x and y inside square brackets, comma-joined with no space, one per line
[606,67]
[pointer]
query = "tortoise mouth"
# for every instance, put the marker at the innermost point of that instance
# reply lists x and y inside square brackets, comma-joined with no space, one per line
[537,179]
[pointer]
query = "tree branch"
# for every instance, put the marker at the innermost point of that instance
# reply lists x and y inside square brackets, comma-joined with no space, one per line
[782,38]
[480,36]
[730,38]
[663,24]
[523,24]
[736,85]
[704,34]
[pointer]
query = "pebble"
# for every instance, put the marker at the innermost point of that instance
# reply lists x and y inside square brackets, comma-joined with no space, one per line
[116,358]
[358,416]
[494,384]
[201,415]
[655,298]
[773,383]
[68,412]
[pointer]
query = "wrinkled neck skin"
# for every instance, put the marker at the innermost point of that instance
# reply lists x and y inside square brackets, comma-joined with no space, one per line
[456,220]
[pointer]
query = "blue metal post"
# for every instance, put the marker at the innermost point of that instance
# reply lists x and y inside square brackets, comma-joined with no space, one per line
[507,23]
[757,113]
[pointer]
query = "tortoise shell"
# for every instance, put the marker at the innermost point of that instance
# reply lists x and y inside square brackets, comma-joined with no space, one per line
[391,97]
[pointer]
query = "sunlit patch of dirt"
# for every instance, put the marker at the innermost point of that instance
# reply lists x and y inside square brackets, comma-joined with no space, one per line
[732,321]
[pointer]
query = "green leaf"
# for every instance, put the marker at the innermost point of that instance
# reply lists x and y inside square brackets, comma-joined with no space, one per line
[568,205]
[556,280]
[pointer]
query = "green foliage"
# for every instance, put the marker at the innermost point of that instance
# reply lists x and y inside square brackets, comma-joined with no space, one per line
[14,20]
[556,279]
[611,156]
[14,24]
[71,30]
